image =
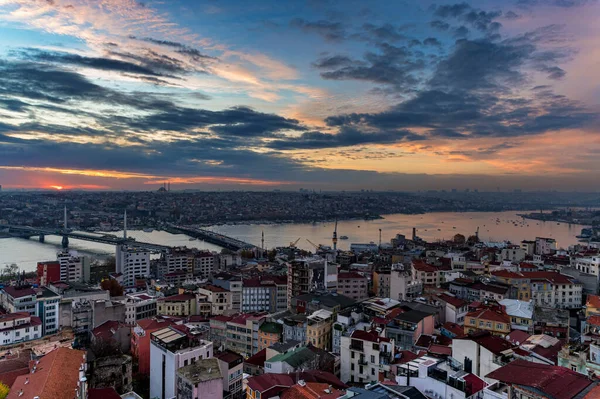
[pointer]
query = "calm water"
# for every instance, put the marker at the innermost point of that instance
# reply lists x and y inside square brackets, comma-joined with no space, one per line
[427,228]
[26,253]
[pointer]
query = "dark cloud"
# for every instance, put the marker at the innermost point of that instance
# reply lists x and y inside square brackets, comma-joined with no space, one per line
[346,137]
[106,64]
[395,66]
[511,15]
[334,61]
[440,25]
[160,63]
[432,41]
[380,33]
[193,53]
[461,31]
[484,21]
[331,31]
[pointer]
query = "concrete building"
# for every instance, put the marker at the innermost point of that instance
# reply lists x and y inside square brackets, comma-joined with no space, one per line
[382,283]
[269,333]
[200,380]
[481,353]
[231,365]
[264,294]
[140,340]
[139,306]
[403,287]
[406,328]
[318,329]
[39,302]
[48,272]
[19,327]
[132,263]
[365,357]
[234,285]
[521,314]
[178,305]
[545,246]
[218,297]
[72,266]
[306,275]
[171,349]
[353,285]
[455,309]
[242,333]
[205,264]
[493,319]
[178,259]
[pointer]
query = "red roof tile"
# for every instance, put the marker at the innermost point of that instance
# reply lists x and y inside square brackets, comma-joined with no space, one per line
[56,376]
[178,298]
[370,336]
[452,300]
[155,323]
[16,292]
[493,343]
[490,314]
[593,301]
[258,359]
[423,266]
[554,381]
[517,337]
[454,328]
[554,277]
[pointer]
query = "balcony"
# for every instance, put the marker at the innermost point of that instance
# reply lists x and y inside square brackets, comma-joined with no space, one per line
[363,362]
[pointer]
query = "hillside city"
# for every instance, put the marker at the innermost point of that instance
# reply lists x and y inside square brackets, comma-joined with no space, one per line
[403,318]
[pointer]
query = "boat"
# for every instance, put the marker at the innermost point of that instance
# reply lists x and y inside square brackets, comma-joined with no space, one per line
[193,239]
[343,237]
[148,230]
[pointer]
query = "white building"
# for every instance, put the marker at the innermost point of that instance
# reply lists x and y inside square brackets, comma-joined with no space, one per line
[218,297]
[72,266]
[171,349]
[455,309]
[588,264]
[132,262]
[403,286]
[482,353]
[439,379]
[204,264]
[139,306]
[19,327]
[48,310]
[40,302]
[544,246]
[364,356]
[552,289]
[520,312]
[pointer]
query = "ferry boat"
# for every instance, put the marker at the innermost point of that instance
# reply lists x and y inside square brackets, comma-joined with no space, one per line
[148,230]
[343,237]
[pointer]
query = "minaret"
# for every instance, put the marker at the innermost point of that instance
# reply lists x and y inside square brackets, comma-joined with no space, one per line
[379,238]
[262,242]
[334,238]
[65,222]
[125,225]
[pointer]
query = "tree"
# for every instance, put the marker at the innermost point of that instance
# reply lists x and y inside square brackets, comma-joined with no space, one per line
[112,286]
[4,389]
[459,239]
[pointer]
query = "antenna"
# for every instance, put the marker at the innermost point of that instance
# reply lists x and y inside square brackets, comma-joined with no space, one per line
[125,225]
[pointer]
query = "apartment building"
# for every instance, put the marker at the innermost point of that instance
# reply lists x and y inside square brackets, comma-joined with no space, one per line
[72,266]
[19,327]
[48,272]
[403,287]
[231,365]
[218,297]
[353,285]
[172,348]
[242,333]
[382,283]
[491,318]
[306,275]
[365,357]
[204,264]
[140,339]
[264,294]
[318,329]
[178,305]
[201,379]
[233,284]
[139,306]
[132,263]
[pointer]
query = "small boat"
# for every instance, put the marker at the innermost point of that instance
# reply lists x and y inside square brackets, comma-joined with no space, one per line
[193,239]
[148,230]
[343,237]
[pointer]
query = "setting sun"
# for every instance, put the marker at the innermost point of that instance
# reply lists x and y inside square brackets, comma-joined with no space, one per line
[57,187]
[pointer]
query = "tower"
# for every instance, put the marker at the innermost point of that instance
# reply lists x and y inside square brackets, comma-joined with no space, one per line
[262,242]
[125,225]
[334,238]
[379,238]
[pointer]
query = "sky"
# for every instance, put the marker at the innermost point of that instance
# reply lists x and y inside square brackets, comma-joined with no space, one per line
[325,95]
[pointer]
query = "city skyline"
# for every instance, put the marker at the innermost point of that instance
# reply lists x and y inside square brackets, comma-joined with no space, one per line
[120,94]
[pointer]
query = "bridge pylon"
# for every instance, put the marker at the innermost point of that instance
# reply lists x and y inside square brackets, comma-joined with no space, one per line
[65,242]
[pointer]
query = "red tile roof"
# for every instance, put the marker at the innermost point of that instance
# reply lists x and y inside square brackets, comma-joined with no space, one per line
[452,300]
[507,274]
[493,343]
[490,314]
[19,292]
[517,337]
[454,328]
[155,323]
[350,275]
[178,298]
[265,382]
[405,357]
[423,266]
[554,277]
[440,349]
[107,330]
[258,359]
[56,376]
[554,381]
[594,320]
[593,301]
[312,390]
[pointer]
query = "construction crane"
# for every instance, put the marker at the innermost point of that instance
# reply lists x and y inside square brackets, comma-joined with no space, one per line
[313,244]
[293,243]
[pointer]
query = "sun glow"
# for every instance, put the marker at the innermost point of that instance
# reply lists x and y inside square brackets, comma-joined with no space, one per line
[57,187]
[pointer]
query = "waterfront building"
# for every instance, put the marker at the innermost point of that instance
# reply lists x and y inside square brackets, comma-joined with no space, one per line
[132,263]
